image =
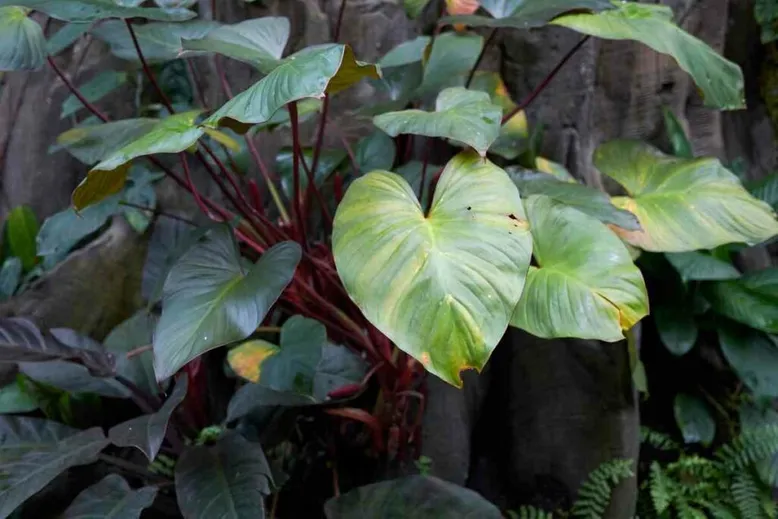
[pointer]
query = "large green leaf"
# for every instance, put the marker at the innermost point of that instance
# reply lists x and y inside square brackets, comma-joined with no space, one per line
[33,452]
[228,480]
[259,42]
[21,229]
[585,284]
[72,377]
[304,364]
[451,58]
[91,144]
[135,332]
[682,204]
[442,286]
[753,356]
[174,134]
[694,419]
[525,14]
[93,10]
[209,300]
[751,299]
[311,72]
[407,52]
[93,90]
[699,266]
[22,44]
[584,198]
[147,432]
[159,41]
[411,497]
[720,80]
[460,114]
[110,498]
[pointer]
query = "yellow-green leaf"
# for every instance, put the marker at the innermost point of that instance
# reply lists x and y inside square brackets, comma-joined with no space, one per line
[585,284]
[246,360]
[442,286]
[682,204]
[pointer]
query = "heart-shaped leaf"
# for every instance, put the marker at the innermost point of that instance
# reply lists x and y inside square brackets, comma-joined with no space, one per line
[442,286]
[694,419]
[460,114]
[451,59]
[34,451]
[21,230]
[751,299]
[159,41]
[682,204]
[22,44]
[699,266]
[209,300]
[94,90]
[147,432]
[720,80]
[586,199]
[585,285]
[174,134]
[311,72]
[753,356]
[111,498]
[136,332]
[525,14]
[259,42]
[411,497]
[93,10]
[228,480]
[91,144]
[514,133]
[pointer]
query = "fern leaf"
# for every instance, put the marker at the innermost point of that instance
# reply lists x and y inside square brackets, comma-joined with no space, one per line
[659,488]
[595,493]
[530,512]
[745,493]
[657,440]
[718,510]
[750,447]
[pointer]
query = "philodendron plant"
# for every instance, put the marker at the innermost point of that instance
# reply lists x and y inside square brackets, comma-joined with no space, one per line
[339,276]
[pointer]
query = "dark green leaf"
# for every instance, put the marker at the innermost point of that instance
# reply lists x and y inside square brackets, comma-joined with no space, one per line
[14,399]
[309,73]
[376,151]
[159,41]
[209,300]
[329,160]
[228,480]
[22,44]
[586,199]
[451,58]
[10,277]
[413,8]
[251,397]
[110,498]
[66,229]
[411,497]
[169,241]
[766,189]
[72,377]
[34,451]
[94,90]
[135,332]
[753,356]
[412,172]
[411,51]
[462,115]
[677,136]
[720,80]
[21,228]
[525,14]
[694,419]
[259,42]
[66,36]
[338,367]
[147,432]
[766,14]
[676,326]
[91,144]
[698,266]
[751,299]
[93,10]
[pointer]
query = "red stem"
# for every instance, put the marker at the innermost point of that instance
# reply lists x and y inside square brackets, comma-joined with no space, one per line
[543,84]
[339,23]
[366,418]
[147,69]
[298,212]
[480,57]
[192,187]
[89,106]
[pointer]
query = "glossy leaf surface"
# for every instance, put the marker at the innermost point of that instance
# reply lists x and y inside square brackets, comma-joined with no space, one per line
[111,498]
[694,419]
[753,356]
[699,266]
[22,44]
[159,41]
[751,299]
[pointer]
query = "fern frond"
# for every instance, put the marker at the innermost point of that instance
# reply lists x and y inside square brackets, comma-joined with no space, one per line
[687,511]
[529,512]
[750,447]
[595,493]
[660,489]
[718,510]
[745,493]
[658,440]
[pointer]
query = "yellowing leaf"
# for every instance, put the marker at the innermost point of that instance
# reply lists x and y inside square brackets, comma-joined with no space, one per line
[246,360]
[99,185]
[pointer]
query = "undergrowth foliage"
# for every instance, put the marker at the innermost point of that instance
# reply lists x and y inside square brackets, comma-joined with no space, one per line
[338,277]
